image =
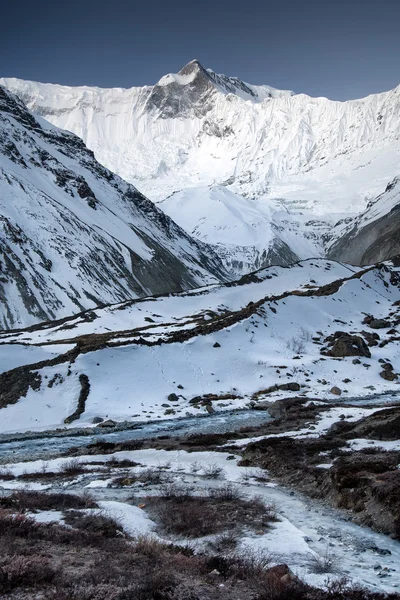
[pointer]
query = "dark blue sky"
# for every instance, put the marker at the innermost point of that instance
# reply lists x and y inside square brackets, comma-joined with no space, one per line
[336,49]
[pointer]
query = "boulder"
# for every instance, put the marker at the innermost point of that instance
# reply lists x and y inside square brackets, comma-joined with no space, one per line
[281,573]
[173,398]
[387,372]
[372,338]
[336,391]
[97,420]
[345,344]
[291,386]
[217,345]
[108,423]
[379,324]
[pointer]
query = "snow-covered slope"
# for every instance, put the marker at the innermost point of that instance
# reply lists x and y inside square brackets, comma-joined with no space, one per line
[272,151]
[73,235]
[198,129]
[372,236]
[247,233]
[215,348]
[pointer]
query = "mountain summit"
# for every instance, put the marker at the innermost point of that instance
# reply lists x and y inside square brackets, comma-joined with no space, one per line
[283,168]
[192,89]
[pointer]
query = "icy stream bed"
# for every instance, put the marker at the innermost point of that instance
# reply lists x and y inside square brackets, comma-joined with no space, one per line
[305,528]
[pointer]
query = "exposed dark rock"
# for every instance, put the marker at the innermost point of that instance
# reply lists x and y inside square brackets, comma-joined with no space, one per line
[372,338]
[15,384]
[387,372]
[292,386]
[343,344]
[377,241]
[84,393]
[336,391]
[108,423]
[379,324]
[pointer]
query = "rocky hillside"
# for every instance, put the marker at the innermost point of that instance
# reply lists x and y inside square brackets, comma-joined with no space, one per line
[318,329]
[372,236]
[74,235]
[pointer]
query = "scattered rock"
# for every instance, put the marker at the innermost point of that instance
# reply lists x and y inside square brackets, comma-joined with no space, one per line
[292,386]
[379,324]
[108,423]
[387,372]
[97,420]
[281,573]
[372,338]
[336,391]
[344,344]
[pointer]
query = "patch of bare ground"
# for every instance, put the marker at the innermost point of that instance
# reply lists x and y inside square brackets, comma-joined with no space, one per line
[91,561]
[148,476]
[25,500]
[178,512]
[365,482]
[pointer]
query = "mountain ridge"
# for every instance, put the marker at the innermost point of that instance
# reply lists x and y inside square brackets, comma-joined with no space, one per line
[74,235]
[322,161]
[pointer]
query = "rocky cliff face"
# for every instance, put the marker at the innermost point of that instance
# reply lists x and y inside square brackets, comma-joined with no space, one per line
[374,235]
[74,235]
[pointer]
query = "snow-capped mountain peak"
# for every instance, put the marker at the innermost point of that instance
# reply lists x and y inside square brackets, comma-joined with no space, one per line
[192,91]
[195,75]
[321,160]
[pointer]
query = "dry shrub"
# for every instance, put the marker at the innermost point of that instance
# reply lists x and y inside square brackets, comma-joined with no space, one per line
[213,471]
[24,571]
[72,467]
[97,524]
[224,543]
[327,562]
[151,475]
[16,525]
[31,500]
[181,513]
[6,474]
[246,565]
[86,591]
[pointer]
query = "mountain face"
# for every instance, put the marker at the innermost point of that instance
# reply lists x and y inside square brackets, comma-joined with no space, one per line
[192,91]
[272,334]
[288,164]
[247,234]
[372,236]
[74,235]
[197,128]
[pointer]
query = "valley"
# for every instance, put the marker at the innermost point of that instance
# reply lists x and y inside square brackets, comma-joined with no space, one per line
[199,342]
